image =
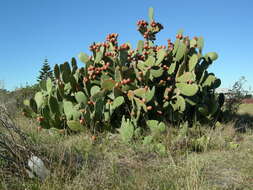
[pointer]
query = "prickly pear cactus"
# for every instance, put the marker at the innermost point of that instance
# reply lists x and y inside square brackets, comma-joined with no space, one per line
[151,82]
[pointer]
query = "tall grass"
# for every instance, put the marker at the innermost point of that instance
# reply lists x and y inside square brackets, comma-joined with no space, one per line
[78,162]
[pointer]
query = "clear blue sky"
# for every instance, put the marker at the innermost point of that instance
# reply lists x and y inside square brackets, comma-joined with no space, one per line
[31,30]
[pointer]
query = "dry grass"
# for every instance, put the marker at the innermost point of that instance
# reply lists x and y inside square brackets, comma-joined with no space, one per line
[246,109]
[224,161]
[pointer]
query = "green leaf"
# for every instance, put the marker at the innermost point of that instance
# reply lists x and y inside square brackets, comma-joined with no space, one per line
[187,76]
[156,73]
[181,51]
[99,55]
[83,57]
[126,130]
[81,98]
[172,68]
[118,102]
[26,102]
[203,109]
[160,148]
[108,84]
[212,55]
[39,99]
[151,14]
[150,94]
[43,85]
[176,45]
[68,109]
[75,125]
[160,56]
[140,92]
[211,82]
[53,105]
[65,76]
[150,62]
[118,77]
[57,71]
[192,62]
[181,103]
[140,46]
[193,43]
[152,123]
[148,140]
[200,43]
[33,105]
[156,127]
[190,101]
[94,89]
[49,85]
[187,89]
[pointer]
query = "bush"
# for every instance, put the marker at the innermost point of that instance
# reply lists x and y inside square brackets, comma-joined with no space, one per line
[136,86]
[235,96]
[13,100]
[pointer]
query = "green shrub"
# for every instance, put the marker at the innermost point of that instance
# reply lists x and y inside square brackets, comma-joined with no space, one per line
[164,83]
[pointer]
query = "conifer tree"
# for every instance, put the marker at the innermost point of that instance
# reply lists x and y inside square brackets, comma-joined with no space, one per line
[45,72]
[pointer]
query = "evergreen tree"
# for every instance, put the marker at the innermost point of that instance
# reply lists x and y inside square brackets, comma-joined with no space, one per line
[45,72]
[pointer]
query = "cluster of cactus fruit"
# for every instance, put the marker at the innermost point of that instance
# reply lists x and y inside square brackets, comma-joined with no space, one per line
[164,83]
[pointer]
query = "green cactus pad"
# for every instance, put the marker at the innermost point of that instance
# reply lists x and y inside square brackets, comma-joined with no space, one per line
[39,99]
[210,81]
[213,106]
[74,65]
[187,89]
[57,71]
[191,101]
[150,62]
[65,76]
[126,130]
[108,84]
[118,76]
[49,85]
[212,55]
[172,68]
[33,105]
[94,89]
[118,102]
[75,125]
[187,76]
[193,43]
[66,68]
[151,14]
[43,85]
[150,94]
[148,140]
[176,45]
[98,95]
[156,72]
[140,92]
[156,127]
[53,105]
[193,62]
[140,46]
[83,57]
[141,65]
[68,109]
[200,43]
[203,109]
[26,102]
[99,55]
[160,56]
[81,98]
[180,104]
